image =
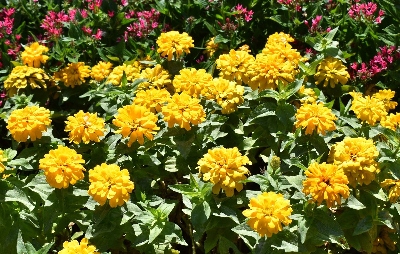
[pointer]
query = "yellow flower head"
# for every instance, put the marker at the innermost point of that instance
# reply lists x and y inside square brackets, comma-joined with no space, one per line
[224,168]
[33,55]
[357,158]
[74,247]
[156,77]
[394,189]
[183,110]
[173,44]
[84,127]
[2,159]
[307,95]
[108,182]
[211,47]
[315,116]
[226,93]
[386,97]
[279,39]
[192,82]
[132,72]
[268,211]
[22,76]
[278,44]
[331,71]
[368,109]
[62,167]
[135,122]
[153,99]
[326,182]
[30,122]
[392,121]
[235,65]
[73,75]
[101,71]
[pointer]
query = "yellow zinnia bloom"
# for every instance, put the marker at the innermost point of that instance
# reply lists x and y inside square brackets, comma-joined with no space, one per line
[326,182]
[132,72]
[392,121]
[30,122]
[211,47]
[394,189]
[368,109]
[316,117]
[22,76]
[357,158]
[173,44]
[153,99]
[331,71]
[62,167]
[157,77]
[307,95]
[183,110]
[108,182]
[386,97]
[74,247]
[33,55]
[135,122]
[278,44]
[268,211]
[224,168]
[226,93]
[192,82]
[73,75]
[101,71]
[279,39]
[2,159]
[84,127]
[234,66]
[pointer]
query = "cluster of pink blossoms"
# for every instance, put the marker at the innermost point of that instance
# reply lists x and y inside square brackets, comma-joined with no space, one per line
[53,22]
[6,21]
[291,4]
[146,23]
[366,12]
[380,62]
[94,5]
[242,12]
[315,25]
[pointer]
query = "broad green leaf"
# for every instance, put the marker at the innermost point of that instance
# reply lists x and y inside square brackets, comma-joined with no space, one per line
[364,225]
[353,203]
[199,217]
[155,231]
[224,246]
[248,235]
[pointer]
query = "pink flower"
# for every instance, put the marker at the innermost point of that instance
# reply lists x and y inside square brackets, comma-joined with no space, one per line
[98,35]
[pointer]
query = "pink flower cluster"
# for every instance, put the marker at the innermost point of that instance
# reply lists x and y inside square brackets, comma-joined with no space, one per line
[6,21]
[94,5]
[380,62]
[291,4]
[146,23]
[366,11]
[242,12]
[88,31]
[53,22]
[315,25]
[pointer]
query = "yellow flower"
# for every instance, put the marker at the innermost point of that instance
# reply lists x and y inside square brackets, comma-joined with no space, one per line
[315,116]
[224,168]
[74,247]
[279,39]
[368,109]
[392,121]
[33,55]
[136,122]
[326,182]
[156,77]
[278,44]
[331,71]
[30,122]
[394,189]
[173,44]
[153,99]
[101,71]
[73,75]
[108,182]
[132,72]
[307,95]
[235,65]
[268,211]
[357,158]
[2,159]
[62,167]
[383,242]
[385,96]
[192,82]
[211,47]
[84,127]
[22,76]
[183,110]
[226,93]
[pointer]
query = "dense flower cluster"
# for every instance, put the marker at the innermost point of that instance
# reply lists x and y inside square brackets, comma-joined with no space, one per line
[135,122]
[386,97]
[325,182]
[367,108]
[109,182]
[307,95]
[394,189]
[226,93]
[132,72]
[53,23]
[173,44]
[62,167]
[391,121]
[357,157]
[73,75]
[192,82]
[183,110]
[366,12]
[211,47]
[33,55]
[74,247]
[331,71]
[84,127]
[224,167]
[28,122]
[153,99]
[315,117]
[267,212]
[156,77]
[22,76]
[101,71]
[6,21]
[235,65]
[146,23]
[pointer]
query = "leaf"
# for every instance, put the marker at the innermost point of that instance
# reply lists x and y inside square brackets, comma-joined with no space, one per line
[18,194]
[353,203]
[364,225]
[224,246]
[170,164]
[21,249]
[324,228]
[248,235]
[156,231]
[220,39]
[199,217]
[296,181]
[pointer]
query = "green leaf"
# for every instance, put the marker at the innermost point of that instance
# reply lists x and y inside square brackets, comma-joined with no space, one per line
[364,225]
[296,181]
[199,217]
[248,235]
[224,246]
[353,203]
[155,231]
[18,194]
[324,228]
[220,39]
[21,249]
[170,164]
